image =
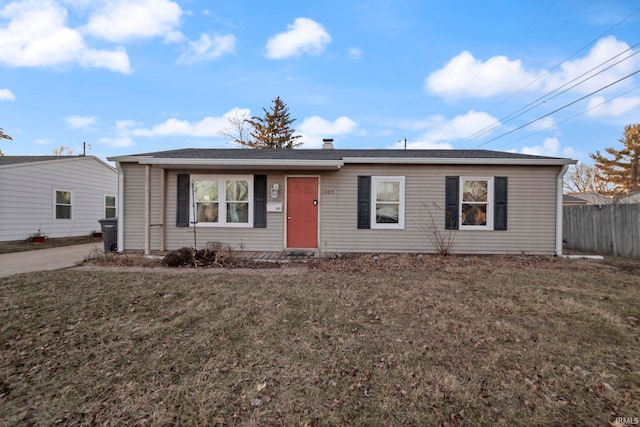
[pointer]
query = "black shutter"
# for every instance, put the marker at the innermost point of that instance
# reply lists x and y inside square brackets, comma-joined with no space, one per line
[260,201]
[500,203]
[364,202]
[451,202]
[182,210]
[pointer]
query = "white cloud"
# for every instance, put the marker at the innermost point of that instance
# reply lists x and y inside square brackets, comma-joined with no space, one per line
[466,76]
[122,20]
[303,36]
[207,127]
[38,35]
[614,108]
[114,60]
[600,53]
[355,53]
[441,132]
[6,95]
[314,129]
[550,147]
[546,123]
[207,48]
[122,133]
[80,122]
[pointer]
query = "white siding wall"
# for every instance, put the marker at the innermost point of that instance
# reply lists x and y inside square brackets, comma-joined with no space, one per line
[27,197]
[531,212]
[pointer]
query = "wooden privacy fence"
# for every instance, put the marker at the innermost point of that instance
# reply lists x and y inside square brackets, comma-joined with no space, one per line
[603,229]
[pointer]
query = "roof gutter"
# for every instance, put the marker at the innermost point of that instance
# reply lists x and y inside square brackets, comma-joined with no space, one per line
[120,224]
[460,161]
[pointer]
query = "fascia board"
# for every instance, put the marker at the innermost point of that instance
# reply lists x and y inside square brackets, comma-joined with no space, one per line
[242,162]
[459,161]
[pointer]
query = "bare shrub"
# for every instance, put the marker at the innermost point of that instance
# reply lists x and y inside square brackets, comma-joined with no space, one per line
[442,240]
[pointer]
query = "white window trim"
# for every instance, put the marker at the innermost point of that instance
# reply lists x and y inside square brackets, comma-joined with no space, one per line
[222,203]
[104,204]
[55,204]
[490,202]
[374,185]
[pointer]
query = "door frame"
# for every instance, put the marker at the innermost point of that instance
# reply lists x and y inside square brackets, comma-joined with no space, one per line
[286,208]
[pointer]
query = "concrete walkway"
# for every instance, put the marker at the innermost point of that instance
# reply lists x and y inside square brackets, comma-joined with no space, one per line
[45,259]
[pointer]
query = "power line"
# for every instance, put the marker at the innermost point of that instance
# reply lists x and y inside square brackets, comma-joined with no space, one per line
[541,100]
[558,109]
[572,117]
[559,64]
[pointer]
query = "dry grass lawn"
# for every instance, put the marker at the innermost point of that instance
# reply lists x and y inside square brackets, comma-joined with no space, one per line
[447,341]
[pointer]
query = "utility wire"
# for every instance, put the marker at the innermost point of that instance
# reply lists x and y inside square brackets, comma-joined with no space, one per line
[541,100]
[559,109]
[572,117]
[559,64]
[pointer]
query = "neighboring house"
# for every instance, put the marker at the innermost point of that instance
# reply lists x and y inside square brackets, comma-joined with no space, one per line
[62,196]
[341,200]
[593,198]
[632,197]
[569,200]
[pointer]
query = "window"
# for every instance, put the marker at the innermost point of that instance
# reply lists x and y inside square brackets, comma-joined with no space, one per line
[222,201]
[476,203]
[387,202]
[63,204]
[109,206]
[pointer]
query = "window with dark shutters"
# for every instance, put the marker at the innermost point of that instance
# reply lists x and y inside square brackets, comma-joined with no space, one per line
[260,201]
[452,195]
[364,202]
[182,204]
[500,203]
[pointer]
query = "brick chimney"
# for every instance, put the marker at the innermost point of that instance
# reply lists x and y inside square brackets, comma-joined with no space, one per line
[327,143]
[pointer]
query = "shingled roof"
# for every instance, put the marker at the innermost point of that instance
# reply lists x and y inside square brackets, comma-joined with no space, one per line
[330,158]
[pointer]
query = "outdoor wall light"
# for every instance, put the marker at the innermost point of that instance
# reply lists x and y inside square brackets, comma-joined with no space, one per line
[274,190]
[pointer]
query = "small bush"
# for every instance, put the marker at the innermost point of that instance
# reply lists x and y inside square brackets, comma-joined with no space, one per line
[190,257]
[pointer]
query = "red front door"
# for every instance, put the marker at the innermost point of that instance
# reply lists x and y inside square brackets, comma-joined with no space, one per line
[302,213]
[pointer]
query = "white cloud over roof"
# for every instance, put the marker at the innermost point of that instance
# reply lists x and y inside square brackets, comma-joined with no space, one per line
[303,36]
[313,129]
[466,76]
[440,132]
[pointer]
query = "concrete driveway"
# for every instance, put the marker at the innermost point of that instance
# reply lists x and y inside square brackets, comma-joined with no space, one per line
[45,259]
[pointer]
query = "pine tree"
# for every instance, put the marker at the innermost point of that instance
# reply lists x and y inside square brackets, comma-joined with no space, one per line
[4,136]
[623,170]
[274,129]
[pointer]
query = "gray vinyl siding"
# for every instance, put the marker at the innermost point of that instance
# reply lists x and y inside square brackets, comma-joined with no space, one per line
[531,211]
[27,197]
[238,238]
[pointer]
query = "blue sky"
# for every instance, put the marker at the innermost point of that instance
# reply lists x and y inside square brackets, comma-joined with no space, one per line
[132,76]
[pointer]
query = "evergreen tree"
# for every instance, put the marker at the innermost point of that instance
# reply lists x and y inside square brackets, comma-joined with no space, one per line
[4,136]
[623,170]
[274,129]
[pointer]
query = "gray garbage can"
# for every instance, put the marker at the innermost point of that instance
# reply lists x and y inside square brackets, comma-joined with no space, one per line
[109,233]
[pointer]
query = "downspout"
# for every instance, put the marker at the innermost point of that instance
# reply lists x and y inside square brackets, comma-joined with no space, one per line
[120,231]
[147,209]
[559,187]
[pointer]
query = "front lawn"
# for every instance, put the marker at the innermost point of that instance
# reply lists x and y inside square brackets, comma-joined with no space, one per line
[442,341]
